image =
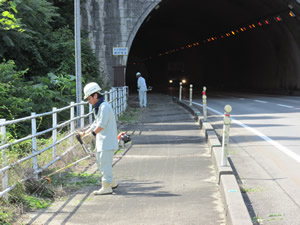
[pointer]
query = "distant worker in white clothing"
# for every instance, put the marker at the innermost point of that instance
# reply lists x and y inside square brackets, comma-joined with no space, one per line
[142,89]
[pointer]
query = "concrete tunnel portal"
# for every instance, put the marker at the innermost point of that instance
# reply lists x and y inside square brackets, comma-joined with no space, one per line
[228,45]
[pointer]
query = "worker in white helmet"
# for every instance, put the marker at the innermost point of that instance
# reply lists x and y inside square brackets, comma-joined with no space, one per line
[142,89]
[104,128]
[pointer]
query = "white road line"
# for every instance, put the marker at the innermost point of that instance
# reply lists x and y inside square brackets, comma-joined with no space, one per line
[287,106]
[260,101]
[261,135]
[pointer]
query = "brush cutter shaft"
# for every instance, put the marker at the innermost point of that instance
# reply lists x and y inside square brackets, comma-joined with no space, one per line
[78,137]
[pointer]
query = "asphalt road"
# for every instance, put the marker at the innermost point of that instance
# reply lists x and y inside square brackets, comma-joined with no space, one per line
[264,150]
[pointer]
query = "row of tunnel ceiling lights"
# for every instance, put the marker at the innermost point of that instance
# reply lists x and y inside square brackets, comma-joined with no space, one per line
[231,33]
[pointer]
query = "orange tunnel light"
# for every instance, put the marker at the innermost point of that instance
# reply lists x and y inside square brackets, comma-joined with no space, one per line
[278,19]
[292,14]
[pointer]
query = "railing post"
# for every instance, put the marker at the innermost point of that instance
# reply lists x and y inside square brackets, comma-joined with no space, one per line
[34,145]
[72,115]
[191,94]
[115,101]
[225,140]
[72,124]
[105,96]
[81,115]
[111,97]
[4,159]
[180,91]
[119,102]
[204,103]
[124,98]
[54,132]
[90,116]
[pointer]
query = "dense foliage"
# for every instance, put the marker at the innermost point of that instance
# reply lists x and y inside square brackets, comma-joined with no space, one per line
[8,20]
[37,57]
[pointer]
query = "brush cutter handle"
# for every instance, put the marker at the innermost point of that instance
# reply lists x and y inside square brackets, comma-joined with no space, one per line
[78,137]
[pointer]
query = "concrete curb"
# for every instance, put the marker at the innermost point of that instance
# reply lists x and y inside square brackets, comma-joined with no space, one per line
[236,210]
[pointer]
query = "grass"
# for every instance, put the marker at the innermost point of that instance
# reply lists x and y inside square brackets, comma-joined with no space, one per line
[131,116]
[271,217]
[75,180]
[248,190]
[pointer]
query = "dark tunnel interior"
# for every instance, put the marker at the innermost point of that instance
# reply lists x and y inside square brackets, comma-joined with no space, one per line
[228,45]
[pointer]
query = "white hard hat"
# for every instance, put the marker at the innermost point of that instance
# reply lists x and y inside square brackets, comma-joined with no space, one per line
[138,74]
[91,88]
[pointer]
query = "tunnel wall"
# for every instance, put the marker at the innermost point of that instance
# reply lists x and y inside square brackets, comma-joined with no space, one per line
[113,23]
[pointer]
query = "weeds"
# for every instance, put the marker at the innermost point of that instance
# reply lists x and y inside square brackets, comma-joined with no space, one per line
[247,190]
[131,116]
[271,217]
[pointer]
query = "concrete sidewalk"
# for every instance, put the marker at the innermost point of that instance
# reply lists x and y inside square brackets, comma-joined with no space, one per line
[166,177]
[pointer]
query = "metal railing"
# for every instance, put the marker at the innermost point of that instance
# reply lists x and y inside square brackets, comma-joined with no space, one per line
[116,97]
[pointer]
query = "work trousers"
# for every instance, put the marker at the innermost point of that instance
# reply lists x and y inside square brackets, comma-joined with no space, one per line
[143,98]
[104,163]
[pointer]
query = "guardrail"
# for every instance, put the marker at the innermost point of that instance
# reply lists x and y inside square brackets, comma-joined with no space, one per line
[117,97]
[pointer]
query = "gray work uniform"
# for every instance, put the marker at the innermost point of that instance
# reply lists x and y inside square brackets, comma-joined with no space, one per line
[141,84]
[106,140]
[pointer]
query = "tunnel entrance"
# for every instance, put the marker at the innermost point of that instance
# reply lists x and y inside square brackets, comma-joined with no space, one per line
[232,45]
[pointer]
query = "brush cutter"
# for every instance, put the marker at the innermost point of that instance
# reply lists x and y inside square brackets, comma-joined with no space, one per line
[90,154]
[78,137]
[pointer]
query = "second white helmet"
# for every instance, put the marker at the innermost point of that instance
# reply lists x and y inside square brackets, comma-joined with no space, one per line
[90,89]
[138,74]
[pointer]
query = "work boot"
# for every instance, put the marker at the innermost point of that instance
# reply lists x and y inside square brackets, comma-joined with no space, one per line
[105,189]
[114,184]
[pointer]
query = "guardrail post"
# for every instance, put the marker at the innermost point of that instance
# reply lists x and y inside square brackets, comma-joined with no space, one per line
[105,96]
[125,97]
[225,140]
[115,102]
[204,103]
[180,91]
[72,115]
[72,124]
[82,114]
[122,100]
[111,97]
[191,94]
[54,132]
[119,102]
[90,116]
[34,146]
[4,159]
[112,90]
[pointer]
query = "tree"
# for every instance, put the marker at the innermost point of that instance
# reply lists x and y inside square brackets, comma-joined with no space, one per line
[7,18]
